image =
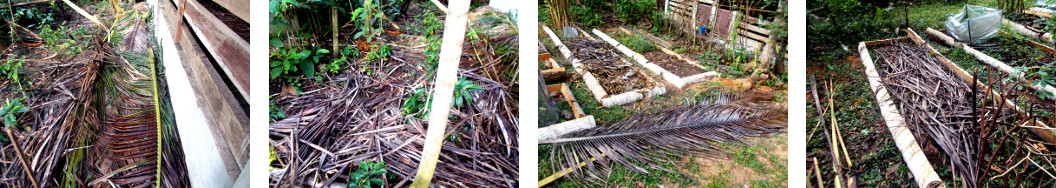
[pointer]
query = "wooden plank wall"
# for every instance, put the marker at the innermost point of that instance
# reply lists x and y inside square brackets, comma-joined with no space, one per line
[239,8]
[227,124]
[230,51]
[682,13]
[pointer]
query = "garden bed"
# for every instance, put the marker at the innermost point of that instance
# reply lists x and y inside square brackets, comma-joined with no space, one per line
[908,106]
[677,80]
[1029,56]
[606,72]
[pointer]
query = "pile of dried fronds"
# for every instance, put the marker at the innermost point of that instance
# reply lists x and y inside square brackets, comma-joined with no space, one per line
[96,118]
[360,116]
[615,74]
[936,105]
[979,138]
[651,138]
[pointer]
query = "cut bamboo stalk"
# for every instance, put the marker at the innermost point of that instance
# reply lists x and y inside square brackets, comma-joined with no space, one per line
[986,59]
[440,6]
[817,172]
[835,125]
[86,15]
[562,173]
[446,75]
[916,161]
[1047,135]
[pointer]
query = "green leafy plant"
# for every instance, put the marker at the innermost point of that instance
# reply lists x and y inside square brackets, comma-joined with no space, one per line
[462,89]
[367,20]
[274,113]
[632,11]
[8,112]
[383,52]
[347,54]
[368,175]
[1042,77]
[286,60]
[12,68]
[420,100]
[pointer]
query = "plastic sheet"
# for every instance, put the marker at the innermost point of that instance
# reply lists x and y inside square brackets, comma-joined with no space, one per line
[974,24]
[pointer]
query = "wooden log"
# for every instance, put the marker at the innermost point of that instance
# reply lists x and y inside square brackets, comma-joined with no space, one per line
[557,74]
[229,50]
[558,130]
[1026,31]
[446,74]
[923,172]
[567,95]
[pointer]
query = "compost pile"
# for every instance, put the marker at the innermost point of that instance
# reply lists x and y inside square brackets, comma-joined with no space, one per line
[615,75]
[362,116]
[672,63]
[936,105]
[91,118]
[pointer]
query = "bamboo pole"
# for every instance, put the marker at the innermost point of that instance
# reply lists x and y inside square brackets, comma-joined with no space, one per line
[835,124]
[446,75]
[441,6]
[817,172]
[89,16]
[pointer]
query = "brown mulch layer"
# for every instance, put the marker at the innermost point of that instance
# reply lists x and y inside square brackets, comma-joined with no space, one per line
[936,105]
[359,115]
[671,63]
[614,74]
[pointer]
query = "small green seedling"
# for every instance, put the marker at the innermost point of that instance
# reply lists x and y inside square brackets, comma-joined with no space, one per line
[368,175]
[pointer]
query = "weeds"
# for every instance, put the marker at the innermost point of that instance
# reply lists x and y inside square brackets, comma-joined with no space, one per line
[8,112]
[286,60]
[368,175]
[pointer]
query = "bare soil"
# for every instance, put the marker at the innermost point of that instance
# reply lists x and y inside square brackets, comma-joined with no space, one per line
[671,63]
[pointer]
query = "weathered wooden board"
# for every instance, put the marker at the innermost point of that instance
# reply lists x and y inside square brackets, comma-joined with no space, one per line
[230,51]
[226,123]
[239,8]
